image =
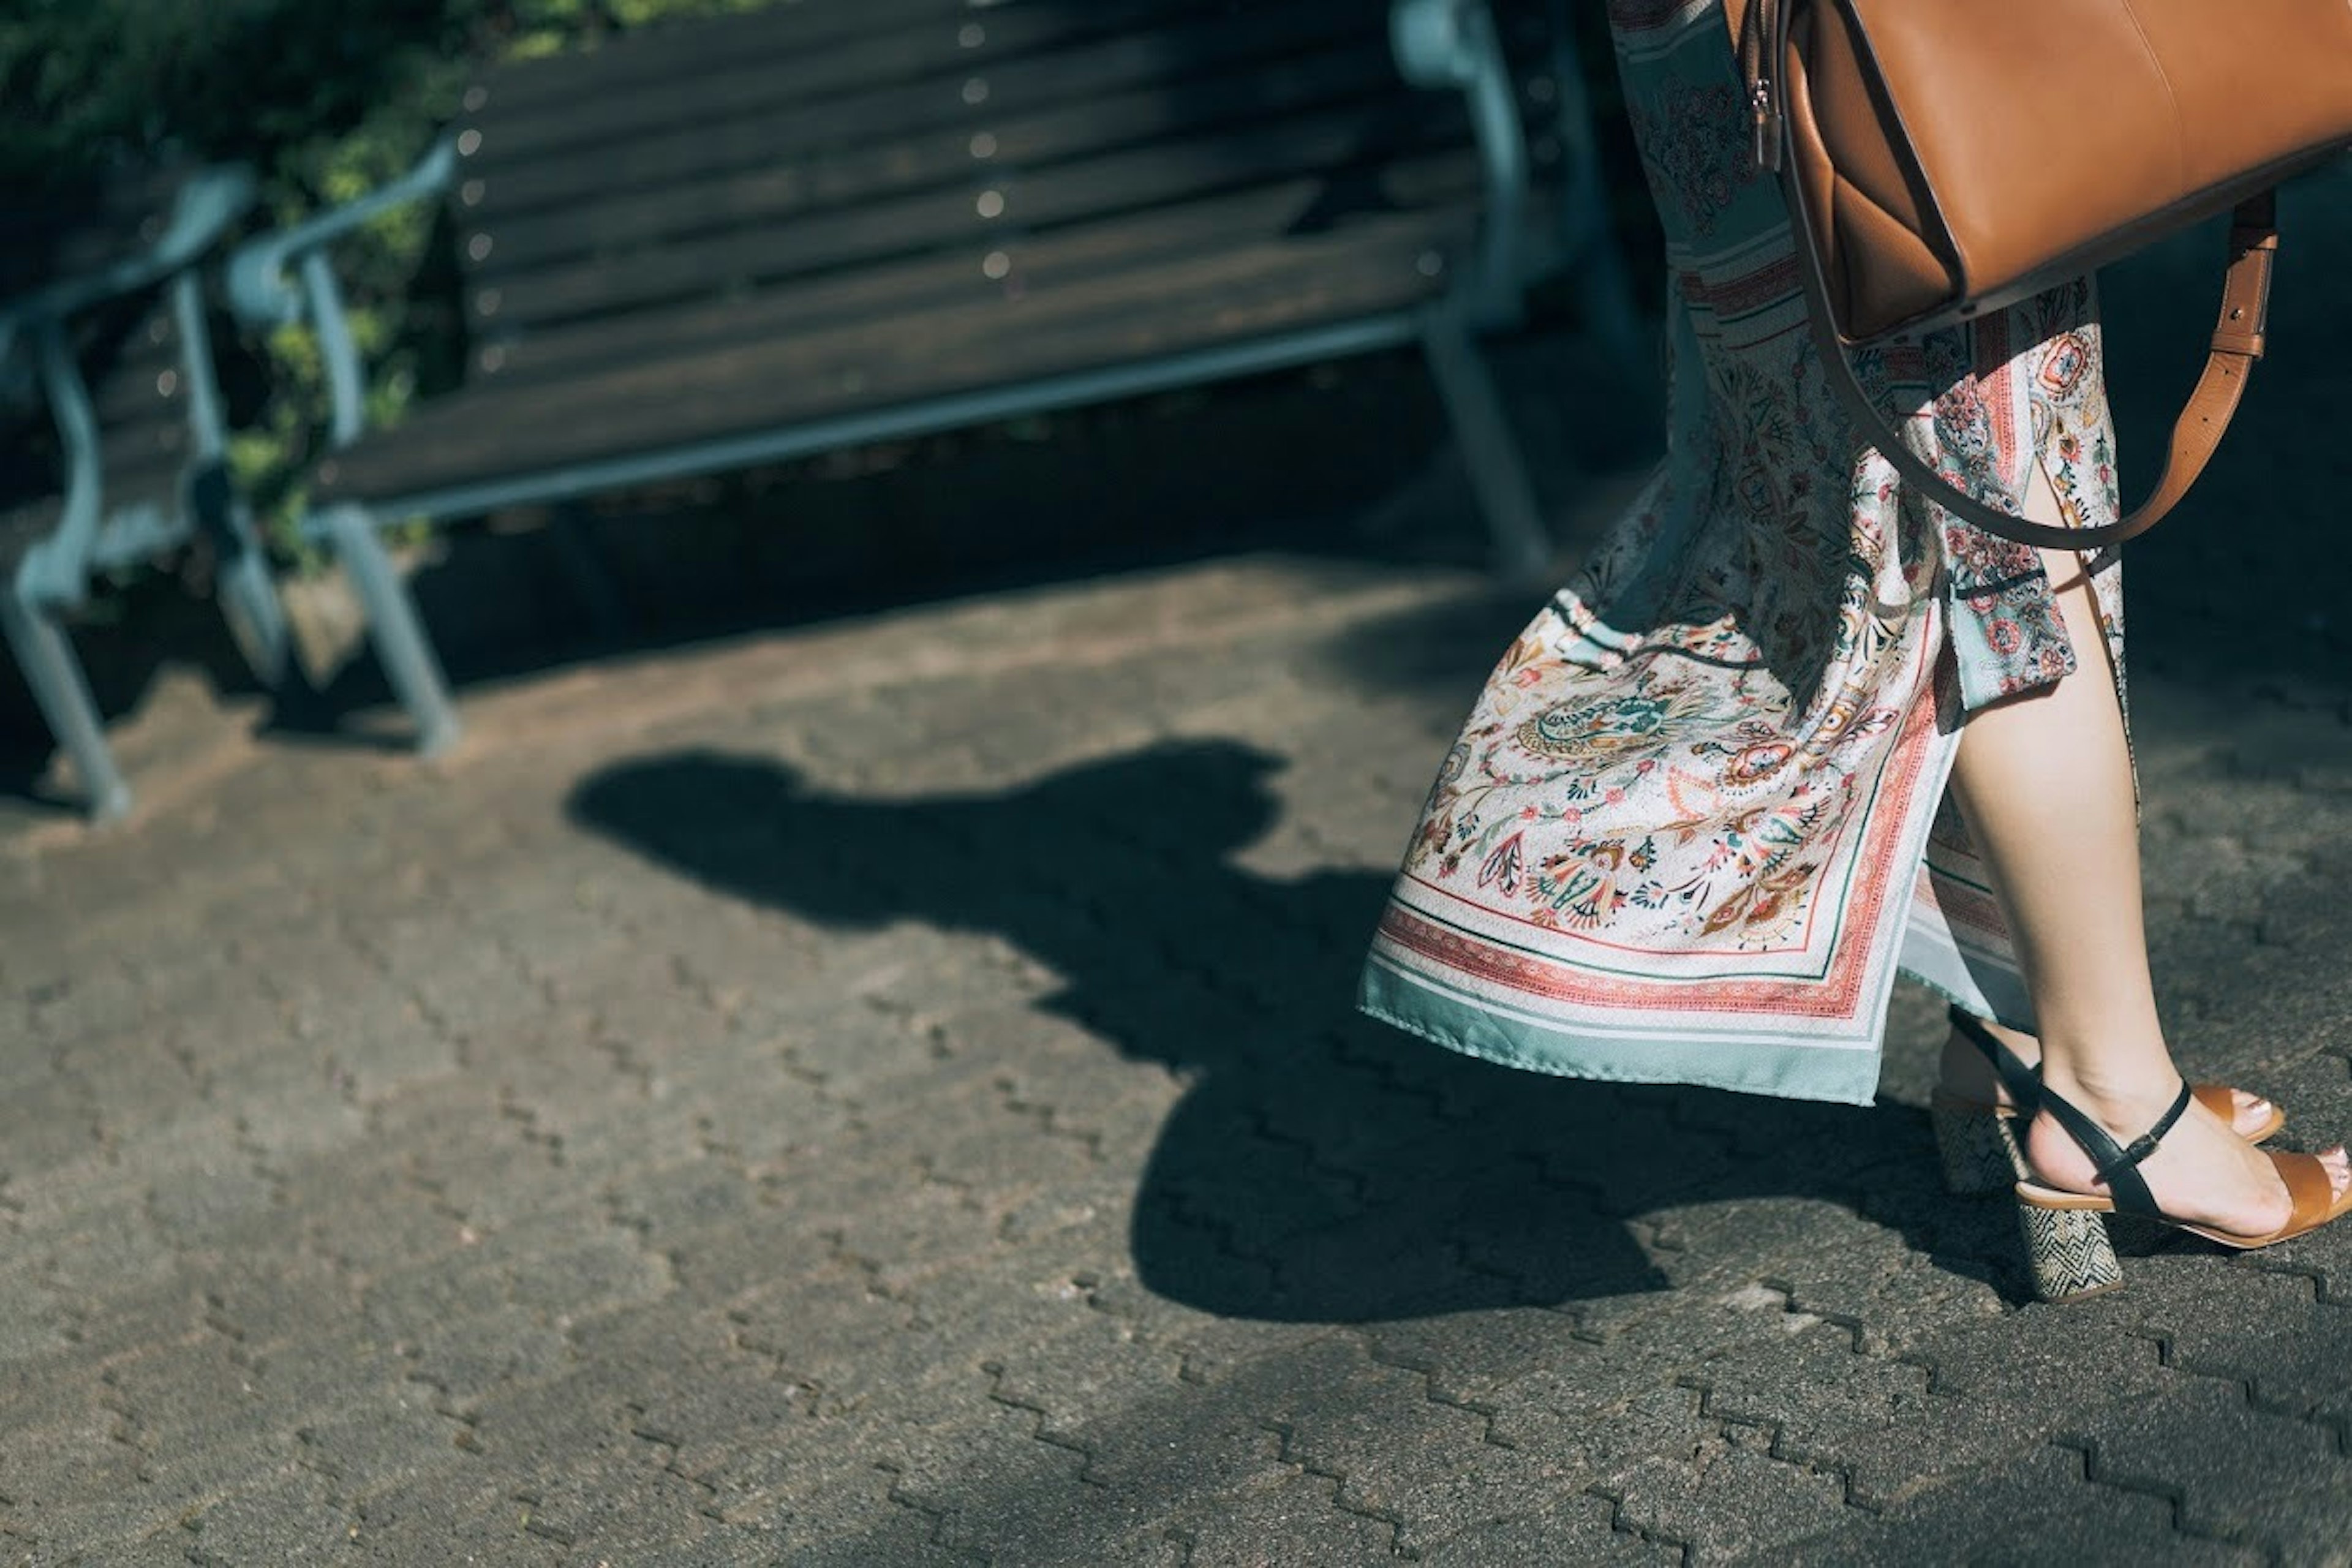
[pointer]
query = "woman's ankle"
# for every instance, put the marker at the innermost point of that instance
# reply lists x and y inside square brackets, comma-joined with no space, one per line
[2119,1098]
[2115,1080]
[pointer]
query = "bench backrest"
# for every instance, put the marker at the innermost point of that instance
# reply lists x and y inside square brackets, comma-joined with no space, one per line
[129,349]
[805,141]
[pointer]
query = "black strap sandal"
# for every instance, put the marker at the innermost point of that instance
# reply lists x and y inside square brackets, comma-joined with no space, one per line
[2021,1078]
[2067,1239]
[1978,1146]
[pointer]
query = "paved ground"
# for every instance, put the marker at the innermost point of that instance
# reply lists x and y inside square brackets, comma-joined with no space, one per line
[884,1095]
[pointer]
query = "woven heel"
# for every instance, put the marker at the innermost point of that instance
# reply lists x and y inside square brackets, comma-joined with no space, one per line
[1979,1151]
[2069,1252]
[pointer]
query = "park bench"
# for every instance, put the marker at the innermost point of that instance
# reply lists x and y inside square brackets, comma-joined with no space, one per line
[112,454]
[828,223]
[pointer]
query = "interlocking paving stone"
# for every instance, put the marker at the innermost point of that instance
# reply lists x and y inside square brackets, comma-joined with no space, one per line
[46,1119]
[1579,1528]
[2253,1479]
[32,1320]
[1433,1469]
[2039,1508]
[448,1517]
[1726,1498]
[1289,1516]
[159,1302]
[1872,1422]
[615,1501]
[2292,1359]
[59,1469]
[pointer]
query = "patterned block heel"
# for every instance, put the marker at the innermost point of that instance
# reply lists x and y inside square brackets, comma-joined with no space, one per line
[1978,1140]
[2069,1252]
[2066,1234]
[1979,1151]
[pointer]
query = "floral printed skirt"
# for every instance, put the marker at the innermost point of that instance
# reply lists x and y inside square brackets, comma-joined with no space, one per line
[1695,823]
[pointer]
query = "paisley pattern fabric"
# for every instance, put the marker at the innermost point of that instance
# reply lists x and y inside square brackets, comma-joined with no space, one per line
[1692,825]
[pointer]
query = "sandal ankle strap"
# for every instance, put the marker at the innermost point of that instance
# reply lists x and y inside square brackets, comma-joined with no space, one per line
[2117,1164]
[2022,1080]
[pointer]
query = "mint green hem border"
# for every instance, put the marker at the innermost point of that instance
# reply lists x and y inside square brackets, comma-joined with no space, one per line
[1841,1075]
[1976,984]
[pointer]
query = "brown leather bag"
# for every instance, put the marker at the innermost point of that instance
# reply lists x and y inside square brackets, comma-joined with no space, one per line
[1942,160]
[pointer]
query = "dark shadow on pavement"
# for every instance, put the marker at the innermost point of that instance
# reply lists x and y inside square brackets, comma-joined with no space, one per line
[1321,1167]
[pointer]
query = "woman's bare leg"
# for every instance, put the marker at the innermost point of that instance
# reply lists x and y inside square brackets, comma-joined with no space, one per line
[2046,783]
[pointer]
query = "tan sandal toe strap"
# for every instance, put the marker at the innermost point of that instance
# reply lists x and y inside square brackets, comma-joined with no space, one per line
[2307,1186]
[2218,1097]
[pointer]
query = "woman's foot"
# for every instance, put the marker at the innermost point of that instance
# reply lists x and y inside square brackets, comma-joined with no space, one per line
[2201,1171]
[1968,1078]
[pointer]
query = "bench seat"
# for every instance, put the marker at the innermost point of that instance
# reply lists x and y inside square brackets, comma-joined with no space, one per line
[1111,295]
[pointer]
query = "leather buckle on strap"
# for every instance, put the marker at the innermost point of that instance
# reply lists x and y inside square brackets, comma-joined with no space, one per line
[2246,296]
[2140,1148]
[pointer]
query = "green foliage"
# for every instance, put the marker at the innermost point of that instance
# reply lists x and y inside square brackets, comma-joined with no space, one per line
[325,102]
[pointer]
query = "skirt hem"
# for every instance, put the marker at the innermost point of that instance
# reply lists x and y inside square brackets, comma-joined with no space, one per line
[1839,1073]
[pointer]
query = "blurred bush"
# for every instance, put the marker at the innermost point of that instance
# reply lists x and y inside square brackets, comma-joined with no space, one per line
[324,100]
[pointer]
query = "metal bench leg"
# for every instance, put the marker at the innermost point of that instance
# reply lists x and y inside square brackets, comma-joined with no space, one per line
[394,628]
[248,599]
[1498,473]
[62,691]
[257,621]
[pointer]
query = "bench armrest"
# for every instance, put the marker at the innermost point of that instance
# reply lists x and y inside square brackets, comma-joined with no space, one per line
[1432,41]
[206,204]
[1453,44]
[263,295]
[258,289]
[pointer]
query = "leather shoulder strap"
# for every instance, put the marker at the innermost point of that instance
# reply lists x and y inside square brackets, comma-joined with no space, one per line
[1759,34]
[2196,435]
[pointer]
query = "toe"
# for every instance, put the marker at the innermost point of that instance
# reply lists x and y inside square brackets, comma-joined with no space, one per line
[2250,1115]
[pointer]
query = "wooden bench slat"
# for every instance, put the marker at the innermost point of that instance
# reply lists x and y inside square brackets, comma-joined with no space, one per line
[1238,293]
[888,95]
[139,463]
[128,397]
[1137,180]
[34,513]
[152,479]
[131,368]
[84,232]
[1441,189]
[24,526]
[735,172]
[145,444]
[859,55]
[834,189]
[688,46]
